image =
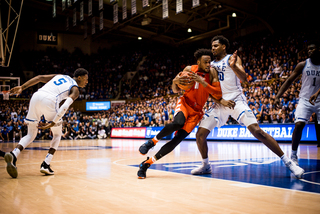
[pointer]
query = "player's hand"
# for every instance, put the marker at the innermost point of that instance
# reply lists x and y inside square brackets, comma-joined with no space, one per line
[16,90]
[44,126]
[228,103]
[313,98]
[233,59]
[195,77]
[181,80]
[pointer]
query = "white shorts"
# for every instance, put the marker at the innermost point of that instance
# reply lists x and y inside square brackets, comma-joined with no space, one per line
[41,104]
[218,116]
[304,111]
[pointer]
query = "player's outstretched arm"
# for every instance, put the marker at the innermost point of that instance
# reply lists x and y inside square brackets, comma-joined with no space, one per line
[35,80]
[313,97]
[74,94]
[295,74]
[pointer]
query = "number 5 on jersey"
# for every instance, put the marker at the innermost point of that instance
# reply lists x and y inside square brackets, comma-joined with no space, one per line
[60,81]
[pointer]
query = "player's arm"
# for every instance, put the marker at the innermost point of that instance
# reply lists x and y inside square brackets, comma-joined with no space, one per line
[314,97]
[214,88]
[74,94]
[35,80]
[178,80]
[236,65]
[295,74]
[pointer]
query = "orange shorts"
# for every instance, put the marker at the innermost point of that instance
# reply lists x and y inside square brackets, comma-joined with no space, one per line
[192,117]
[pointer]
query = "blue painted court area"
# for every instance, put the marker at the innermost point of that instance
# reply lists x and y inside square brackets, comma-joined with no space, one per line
[71,148]
[269,172]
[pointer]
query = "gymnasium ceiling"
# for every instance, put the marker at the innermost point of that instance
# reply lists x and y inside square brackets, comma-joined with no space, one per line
[212,17]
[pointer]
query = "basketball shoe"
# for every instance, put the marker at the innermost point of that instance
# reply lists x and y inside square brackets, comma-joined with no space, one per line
[11,160]
[45,168]
[294,158]
[142,172]
[296,170]
[144,148]
[204,169]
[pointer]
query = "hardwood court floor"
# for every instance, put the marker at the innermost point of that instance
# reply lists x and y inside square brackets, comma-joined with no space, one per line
[99,176]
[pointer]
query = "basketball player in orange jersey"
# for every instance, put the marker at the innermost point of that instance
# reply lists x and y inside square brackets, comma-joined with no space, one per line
[188,110]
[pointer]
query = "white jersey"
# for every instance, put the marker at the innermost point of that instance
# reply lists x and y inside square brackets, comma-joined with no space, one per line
[229,82]
[310,80]
[59,87]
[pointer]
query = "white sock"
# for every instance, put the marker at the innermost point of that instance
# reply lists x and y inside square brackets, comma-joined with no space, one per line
[285,159]
[48,158]
[205,161]
[294,152]
[16,152]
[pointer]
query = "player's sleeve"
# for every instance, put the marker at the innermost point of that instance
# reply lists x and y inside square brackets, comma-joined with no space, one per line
[215,90]
[62,110]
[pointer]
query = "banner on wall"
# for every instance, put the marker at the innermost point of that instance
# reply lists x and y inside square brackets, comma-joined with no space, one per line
[63,5]
[100,4]
[115,13]
[98,105]
[90,8]
[280,132]
[81,11]
[54,9]
[179,6]
[128,132]
[165,11]
[49,38]
[195,3]
[133,7]
[124,9]
[145,3]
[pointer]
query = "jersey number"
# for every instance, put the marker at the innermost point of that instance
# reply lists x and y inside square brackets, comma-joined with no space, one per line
[221,76]
[314,82]
[60,81]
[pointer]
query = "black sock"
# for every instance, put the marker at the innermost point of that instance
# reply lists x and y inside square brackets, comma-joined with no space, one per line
[177,124]
[168,147]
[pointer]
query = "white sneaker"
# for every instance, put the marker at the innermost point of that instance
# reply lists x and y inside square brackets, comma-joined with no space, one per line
[204,169]
[294,158]
[296,170]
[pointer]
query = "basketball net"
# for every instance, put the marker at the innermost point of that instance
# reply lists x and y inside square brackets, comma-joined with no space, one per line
[5,95]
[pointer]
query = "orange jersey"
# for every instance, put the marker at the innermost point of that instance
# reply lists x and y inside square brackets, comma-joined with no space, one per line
[197,96]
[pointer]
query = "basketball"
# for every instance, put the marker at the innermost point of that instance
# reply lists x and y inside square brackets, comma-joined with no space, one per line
[188,86]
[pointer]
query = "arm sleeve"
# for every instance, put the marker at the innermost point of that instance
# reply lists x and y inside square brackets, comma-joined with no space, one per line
[62,110]
[215,90]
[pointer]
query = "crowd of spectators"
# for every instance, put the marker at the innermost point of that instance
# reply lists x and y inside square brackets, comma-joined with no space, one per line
[106,68]
[268,61]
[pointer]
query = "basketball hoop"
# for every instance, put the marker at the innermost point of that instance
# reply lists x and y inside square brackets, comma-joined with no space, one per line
[5,95]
